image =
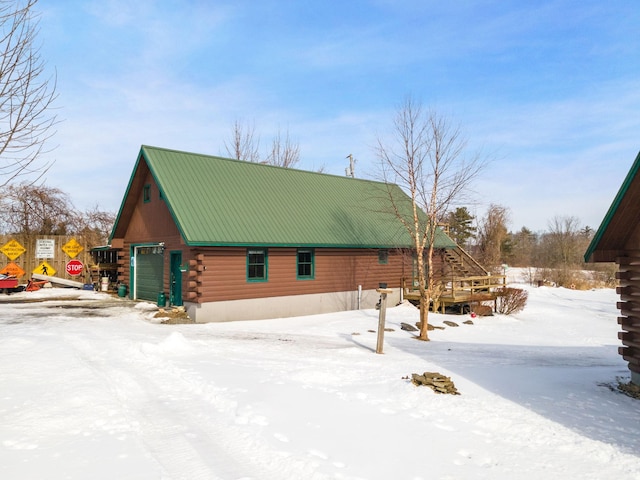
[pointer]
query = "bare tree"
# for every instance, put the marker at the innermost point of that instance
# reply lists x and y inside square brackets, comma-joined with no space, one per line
[26,95]
[95,226]
[492,234]
[564,242]
[284,152]
[244,145]
[31,209]
[425,158]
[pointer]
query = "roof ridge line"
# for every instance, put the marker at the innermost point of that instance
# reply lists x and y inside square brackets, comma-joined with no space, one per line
[266,165]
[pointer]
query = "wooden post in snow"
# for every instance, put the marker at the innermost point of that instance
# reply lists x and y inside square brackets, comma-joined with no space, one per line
[381,318]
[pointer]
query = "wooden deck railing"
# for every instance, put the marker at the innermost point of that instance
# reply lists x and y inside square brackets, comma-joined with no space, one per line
[459,290]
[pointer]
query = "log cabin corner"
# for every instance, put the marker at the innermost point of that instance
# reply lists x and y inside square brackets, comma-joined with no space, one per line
[618,240]
[234,240]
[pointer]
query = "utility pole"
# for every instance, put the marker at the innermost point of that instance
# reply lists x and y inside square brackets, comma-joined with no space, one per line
[351,170]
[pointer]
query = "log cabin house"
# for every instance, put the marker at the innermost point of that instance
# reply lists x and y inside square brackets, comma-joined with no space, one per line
[234,240]
[618,240]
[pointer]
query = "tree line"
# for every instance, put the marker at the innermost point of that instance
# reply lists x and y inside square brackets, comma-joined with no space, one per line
[554,255]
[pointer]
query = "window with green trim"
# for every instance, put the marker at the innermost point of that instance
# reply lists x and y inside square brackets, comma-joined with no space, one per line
[146,193]
[383,256]
[305,264]
[257,265]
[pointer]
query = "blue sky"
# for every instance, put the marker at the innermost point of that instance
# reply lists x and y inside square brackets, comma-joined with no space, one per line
[548,90]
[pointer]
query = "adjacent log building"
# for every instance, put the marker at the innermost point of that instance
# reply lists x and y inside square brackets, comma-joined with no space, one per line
[233,240]
[618,240]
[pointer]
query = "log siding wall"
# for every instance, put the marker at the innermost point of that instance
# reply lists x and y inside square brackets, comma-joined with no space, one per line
[219,273]
[629,306]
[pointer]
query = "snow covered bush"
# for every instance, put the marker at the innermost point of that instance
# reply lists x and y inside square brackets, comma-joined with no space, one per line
[511,300]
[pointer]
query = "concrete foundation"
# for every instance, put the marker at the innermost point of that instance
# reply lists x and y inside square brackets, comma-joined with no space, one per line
[289,306]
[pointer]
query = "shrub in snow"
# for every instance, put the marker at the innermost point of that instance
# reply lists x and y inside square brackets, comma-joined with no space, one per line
[511,300]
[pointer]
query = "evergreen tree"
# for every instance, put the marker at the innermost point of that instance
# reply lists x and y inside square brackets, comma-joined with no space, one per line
[461,228]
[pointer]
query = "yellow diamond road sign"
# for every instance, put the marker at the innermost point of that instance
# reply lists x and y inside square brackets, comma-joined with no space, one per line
[13,249]
[72,248]
[45,269]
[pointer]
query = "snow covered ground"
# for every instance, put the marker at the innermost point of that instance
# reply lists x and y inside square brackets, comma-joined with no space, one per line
[93,388]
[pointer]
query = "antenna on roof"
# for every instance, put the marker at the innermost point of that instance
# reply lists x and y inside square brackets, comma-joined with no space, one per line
[350,171]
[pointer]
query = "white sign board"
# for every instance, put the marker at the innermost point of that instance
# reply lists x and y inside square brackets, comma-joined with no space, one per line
[45,248]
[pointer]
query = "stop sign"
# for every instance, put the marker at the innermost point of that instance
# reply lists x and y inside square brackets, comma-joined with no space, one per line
[74,267]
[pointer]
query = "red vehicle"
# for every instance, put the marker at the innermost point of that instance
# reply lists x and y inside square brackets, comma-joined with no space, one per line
[7,283]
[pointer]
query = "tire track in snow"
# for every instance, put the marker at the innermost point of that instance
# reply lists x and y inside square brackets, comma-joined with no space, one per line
[167,432]
[163,430]
[186,425]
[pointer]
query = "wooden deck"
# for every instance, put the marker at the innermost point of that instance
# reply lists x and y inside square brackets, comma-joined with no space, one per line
[461,291]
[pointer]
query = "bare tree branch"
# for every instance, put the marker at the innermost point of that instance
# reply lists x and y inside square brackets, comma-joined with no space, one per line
[26,97]
[95,225]
[31,209]
[284,152]
[244,144]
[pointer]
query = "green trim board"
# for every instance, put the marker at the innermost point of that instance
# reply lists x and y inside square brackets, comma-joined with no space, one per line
[257,265]
[305,264]
[216,201]
[102,248]
[175,277]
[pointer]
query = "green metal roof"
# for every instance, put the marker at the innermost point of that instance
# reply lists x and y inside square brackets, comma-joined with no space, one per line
[218,201]
[596,242]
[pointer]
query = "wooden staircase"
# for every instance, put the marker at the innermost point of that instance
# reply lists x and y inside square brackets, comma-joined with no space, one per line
[461,264]
[463,283]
